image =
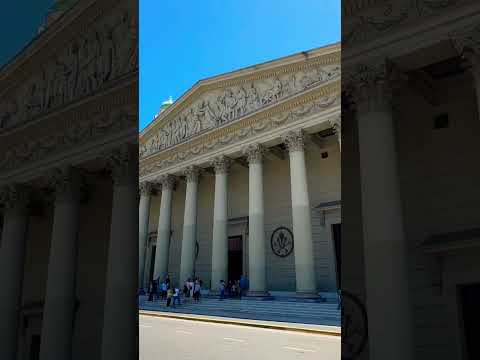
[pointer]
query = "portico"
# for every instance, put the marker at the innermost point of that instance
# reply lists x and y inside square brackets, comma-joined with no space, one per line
[258,159]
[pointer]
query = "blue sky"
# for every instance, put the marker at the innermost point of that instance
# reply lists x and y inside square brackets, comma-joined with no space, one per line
[19,22]
[182,42]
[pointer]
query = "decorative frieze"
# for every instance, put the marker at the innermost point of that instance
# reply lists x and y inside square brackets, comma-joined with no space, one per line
[76,133]
[192,173]
[254,153]
[222,106]
[364,21]
[221,164]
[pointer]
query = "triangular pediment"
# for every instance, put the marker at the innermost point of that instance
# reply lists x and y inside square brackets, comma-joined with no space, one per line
[216,101]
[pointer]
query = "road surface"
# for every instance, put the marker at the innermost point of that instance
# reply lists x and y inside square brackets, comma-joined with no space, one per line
[174,339]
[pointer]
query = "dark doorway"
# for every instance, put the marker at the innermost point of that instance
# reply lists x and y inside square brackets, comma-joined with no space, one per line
[35,347]
[235,257]
[337,243]
[469,298]
[152,265]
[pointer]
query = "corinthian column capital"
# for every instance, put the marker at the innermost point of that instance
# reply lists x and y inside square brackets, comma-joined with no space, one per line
[294,140]
[254,153]
[123,163]
[167,182]
[145,188]
[66,182]
[15,196]
[192,173]
[221,164]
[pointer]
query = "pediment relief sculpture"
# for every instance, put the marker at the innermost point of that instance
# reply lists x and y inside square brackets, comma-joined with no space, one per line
[222,106]
[107,51]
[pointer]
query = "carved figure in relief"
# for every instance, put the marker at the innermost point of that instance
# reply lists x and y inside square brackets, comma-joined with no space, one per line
[274,93]
[34,100]
[107,54]
[253,100]
[289,85]
[242,102]
[205,116]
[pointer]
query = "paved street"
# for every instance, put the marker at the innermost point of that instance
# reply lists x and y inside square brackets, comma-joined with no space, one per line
[173,339]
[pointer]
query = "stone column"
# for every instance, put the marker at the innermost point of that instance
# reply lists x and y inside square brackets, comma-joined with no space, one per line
[59,309]
[120,319]
[143,217]
[256,230]
[385,260]
[301,212]
[187,260]
[164,228]
[220,222]
[12,254]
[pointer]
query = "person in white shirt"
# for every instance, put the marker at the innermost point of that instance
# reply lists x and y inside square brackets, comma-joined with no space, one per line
[176,296]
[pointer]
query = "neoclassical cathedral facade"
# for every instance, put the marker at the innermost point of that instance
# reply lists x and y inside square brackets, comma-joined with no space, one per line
[241,176]
[69,187]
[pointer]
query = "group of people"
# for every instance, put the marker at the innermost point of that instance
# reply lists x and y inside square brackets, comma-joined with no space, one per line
[166,291]
[234,289]
[192,289]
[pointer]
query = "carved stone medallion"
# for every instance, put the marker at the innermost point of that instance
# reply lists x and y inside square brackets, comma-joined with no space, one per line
[282,241]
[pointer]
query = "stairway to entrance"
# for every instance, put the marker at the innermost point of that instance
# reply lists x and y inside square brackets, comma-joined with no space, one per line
[283,310]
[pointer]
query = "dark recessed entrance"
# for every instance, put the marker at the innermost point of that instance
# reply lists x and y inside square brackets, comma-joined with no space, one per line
[469,295]
[235,257]
[35,347]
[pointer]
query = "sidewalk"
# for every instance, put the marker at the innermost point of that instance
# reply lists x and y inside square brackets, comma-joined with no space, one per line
[306,328]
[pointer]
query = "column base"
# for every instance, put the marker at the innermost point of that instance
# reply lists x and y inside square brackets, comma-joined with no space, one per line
[307,295]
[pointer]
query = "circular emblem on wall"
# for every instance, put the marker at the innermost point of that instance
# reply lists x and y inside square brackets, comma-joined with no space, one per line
[282,241]
[354,326]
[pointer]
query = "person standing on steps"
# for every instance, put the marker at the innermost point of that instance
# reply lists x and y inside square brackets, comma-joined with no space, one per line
[222,289]
[196,290]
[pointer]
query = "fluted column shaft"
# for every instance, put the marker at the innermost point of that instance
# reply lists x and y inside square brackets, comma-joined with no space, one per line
[301,216]
[220,222]
[120,320]
[12,255]
[187,260]
[256,214]
[385,258]
[59,309]
[143,217]
[164,228]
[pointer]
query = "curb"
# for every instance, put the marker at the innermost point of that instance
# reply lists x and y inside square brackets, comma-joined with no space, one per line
[241,322]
